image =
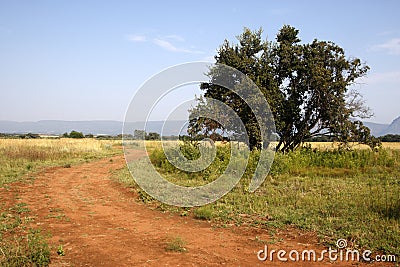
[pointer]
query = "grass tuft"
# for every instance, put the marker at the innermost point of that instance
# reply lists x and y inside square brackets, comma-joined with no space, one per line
[203,213]
[176,244]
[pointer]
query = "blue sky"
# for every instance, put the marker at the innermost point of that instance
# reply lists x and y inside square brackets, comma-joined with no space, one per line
[83,60]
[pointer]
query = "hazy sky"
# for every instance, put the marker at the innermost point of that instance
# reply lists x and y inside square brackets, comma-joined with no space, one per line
[83,60]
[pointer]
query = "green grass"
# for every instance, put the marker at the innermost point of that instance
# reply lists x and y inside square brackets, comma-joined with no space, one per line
[204,213]
[60,250]
[20,245]
[338,194]
[176,244]
[58,214]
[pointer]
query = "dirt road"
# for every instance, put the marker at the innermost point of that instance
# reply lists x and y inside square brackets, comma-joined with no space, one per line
[101,223]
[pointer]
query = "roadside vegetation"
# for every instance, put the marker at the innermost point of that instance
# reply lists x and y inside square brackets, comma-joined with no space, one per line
[337,193]
[21,245]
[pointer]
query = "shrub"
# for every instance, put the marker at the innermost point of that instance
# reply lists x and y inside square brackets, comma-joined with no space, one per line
[75,134]
[203,213]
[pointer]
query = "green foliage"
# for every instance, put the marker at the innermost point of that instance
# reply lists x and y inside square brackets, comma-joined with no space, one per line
[75,134]
[20,208]
[38,249]
[153,136]
[218,166]
[306,85]
[336,159]
[190,150]
[29,136]
[60,251]
[31,250]
[139,134]
[158,158]
[142,135]
[203,213]
[390,138]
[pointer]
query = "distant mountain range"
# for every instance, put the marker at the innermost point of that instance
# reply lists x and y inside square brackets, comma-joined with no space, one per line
[378,129]
[107,127]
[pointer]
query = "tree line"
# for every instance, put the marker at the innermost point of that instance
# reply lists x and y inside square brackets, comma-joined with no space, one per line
[216,137]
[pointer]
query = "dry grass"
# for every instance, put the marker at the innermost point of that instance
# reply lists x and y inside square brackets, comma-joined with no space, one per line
[18,156]
[43,149]
[319,145]
[333,145]
[391,145]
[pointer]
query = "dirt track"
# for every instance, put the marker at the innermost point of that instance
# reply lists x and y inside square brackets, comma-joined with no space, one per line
[100,223]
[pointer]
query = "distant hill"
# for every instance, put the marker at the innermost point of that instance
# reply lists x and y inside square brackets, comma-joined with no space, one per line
[108,127]
[376,128]
[394,127]
[383,129]
[101,127]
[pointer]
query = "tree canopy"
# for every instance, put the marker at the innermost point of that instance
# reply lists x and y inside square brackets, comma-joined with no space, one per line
[308,87]
[74,134]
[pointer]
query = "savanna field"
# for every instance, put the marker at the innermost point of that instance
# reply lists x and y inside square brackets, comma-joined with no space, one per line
[351,194]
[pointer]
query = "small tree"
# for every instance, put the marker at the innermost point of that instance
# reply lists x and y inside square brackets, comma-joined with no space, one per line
[390,138]
[75,134]
[139,134]
[153,136]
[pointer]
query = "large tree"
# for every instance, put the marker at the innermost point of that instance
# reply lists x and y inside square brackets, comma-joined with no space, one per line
[308,87]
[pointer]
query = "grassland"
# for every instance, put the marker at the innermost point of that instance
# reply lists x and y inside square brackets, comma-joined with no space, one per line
[354,146]
[336,193]
[20,244]
[18,157]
